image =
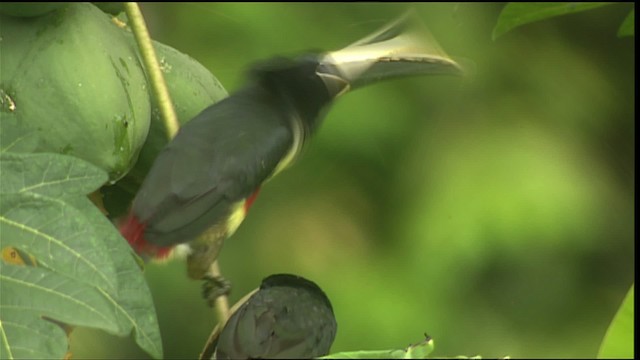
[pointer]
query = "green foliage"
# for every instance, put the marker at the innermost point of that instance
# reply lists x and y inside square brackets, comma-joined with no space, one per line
[29,9]
[82,273]
[113,8]
[619,341]
[13,138]
[516,14]
[46,221]
[31,173]
[64,264]
[628,25]
[36,220]
[134,307]
[420,350]
[72,77]
[30,294]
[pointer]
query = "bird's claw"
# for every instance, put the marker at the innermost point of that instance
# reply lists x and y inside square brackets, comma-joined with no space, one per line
[213,287]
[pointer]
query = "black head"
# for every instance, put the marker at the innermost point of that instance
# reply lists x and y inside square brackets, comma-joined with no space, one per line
[295,281]
[287,317]
[298,83]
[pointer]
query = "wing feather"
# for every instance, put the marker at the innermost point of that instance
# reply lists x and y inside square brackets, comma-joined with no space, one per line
[217,159]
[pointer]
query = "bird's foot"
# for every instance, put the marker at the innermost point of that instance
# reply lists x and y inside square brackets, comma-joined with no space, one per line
[213,287]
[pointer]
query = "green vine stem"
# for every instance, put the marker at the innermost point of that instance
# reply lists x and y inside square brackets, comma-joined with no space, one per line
[167,112]
[150,60]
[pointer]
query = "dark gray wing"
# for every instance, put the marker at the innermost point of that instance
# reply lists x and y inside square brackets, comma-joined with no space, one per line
[279,322]
[217,159]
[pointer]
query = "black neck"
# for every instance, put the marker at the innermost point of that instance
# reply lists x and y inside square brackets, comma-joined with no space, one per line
[298,85]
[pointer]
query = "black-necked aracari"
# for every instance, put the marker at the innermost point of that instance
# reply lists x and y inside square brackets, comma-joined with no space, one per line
[203,182]
[287,317]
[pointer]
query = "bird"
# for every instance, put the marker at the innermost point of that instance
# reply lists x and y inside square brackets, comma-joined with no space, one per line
[287,317]
[203,182]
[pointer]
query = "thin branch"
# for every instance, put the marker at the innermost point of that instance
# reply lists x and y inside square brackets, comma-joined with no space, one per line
[150,60]
[221,303]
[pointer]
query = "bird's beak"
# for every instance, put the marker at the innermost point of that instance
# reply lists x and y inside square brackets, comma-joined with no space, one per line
[403,47]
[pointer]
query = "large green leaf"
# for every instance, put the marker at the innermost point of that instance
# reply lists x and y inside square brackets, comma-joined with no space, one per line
[13,137]
[416,351]
[52,175]
[24,336]
[45,214]
[516,14]
[132,299]
[618,341]
[28,294]
[58,235]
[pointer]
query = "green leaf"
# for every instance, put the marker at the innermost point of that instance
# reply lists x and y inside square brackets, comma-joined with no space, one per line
[52,175]
[516,14]
[29,337]
[132,299]
[111,8]
[58,235]
[628,25]
[29,294]
[13,137]
[45,214]
[55,233]
[416,351]
[618,341]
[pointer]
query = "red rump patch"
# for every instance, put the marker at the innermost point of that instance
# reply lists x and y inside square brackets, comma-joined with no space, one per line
[133,230]
[249,201]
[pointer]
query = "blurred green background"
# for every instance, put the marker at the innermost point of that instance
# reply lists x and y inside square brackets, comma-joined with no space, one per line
[493,212]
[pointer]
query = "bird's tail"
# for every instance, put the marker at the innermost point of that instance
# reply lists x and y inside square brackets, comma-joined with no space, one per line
[403,47]
[133,231]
